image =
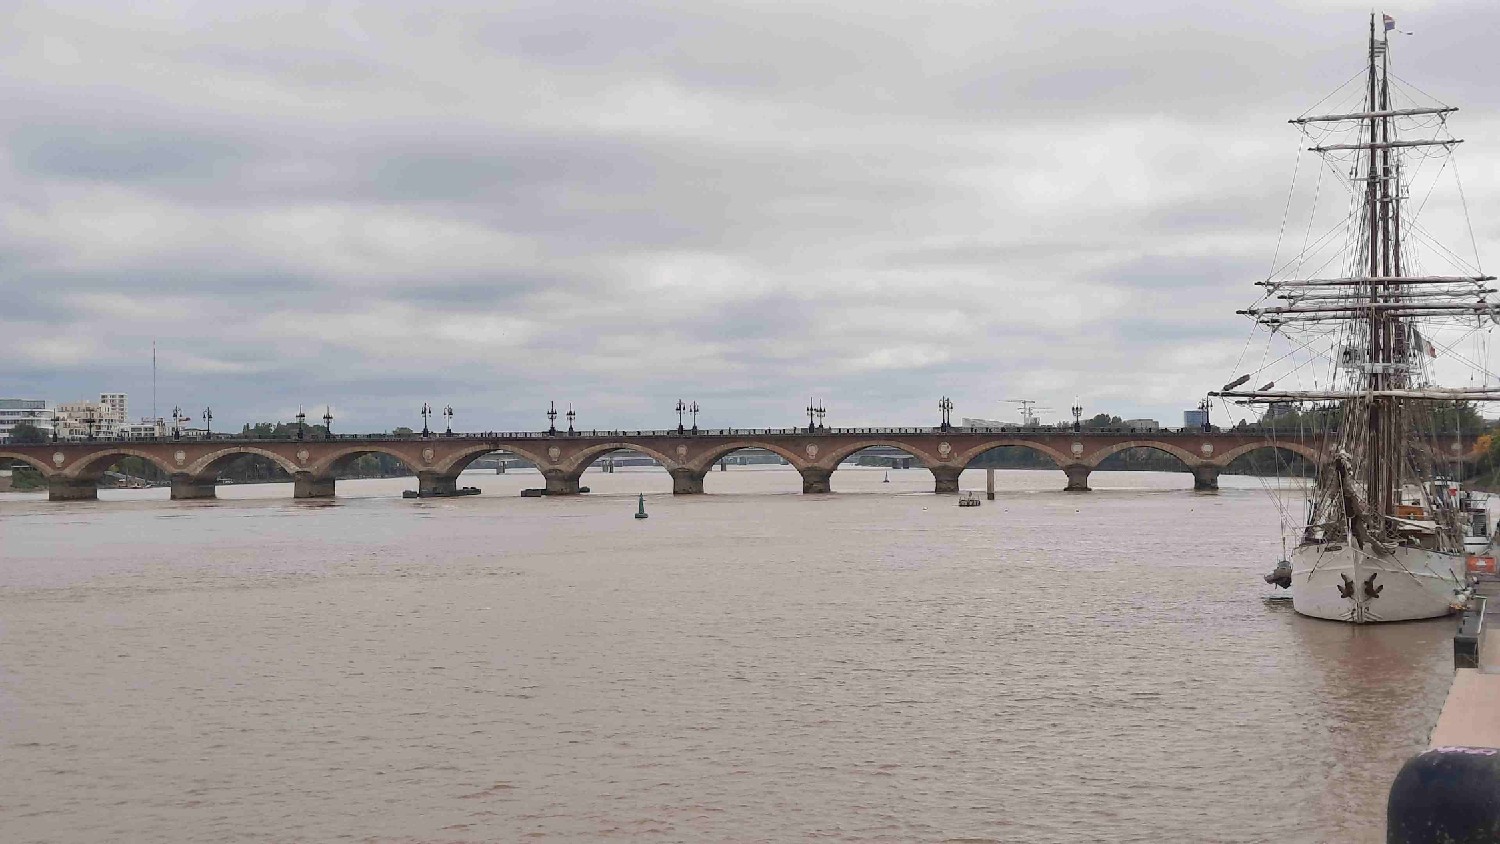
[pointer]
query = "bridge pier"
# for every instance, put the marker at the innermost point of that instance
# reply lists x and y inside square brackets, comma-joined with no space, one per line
[308,485]
[63,488]
[1078,477]
[560,483]
[945,478]
[815,479]
[432,483]
[1206,477]
[185,487]
[686,482]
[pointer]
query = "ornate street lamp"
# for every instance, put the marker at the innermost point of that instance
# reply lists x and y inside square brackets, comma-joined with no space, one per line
[176,423]
[812,413]
[1205,407]
[1077,417]
[89,421]
[328,420]
[301,425]
[945,406]
[448,414]
[694,410]
[822,414]
[681,409]
[551,418]
[426,414]
[208,421]
[56,421]
[571,416]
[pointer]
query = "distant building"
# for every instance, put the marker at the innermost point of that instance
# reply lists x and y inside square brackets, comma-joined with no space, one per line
[1278,409]
[103,418]
[984,423]
[1194,418]
[144,428]
[114,407]
[36,411]
[1142,424]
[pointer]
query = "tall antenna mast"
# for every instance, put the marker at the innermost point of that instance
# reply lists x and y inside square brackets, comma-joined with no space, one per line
[153,381]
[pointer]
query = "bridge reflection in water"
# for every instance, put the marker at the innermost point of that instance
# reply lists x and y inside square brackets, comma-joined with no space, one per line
[72,469]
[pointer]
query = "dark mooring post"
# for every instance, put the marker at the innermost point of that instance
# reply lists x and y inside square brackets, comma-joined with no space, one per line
[1448,795]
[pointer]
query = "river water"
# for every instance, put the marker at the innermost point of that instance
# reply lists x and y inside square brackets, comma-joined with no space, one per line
[877,665]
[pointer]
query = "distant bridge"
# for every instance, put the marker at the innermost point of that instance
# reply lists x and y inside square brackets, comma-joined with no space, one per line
[72,469]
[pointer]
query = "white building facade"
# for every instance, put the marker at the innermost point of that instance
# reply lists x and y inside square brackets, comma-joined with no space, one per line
[37,412]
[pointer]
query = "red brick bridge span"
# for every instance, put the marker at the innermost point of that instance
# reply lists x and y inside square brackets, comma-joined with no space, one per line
[73,469]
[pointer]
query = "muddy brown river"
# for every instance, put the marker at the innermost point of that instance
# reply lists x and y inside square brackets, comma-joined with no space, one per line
[752,665]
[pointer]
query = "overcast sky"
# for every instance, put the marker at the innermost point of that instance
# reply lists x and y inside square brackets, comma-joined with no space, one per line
[621,204]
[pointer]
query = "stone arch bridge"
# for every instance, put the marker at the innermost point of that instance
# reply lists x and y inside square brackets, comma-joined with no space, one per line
[72,469]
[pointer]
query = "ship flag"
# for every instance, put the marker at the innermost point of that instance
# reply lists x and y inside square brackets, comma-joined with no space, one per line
[1390,25]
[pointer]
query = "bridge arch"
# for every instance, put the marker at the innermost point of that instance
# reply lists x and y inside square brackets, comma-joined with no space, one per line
[94,465]
[33,462]
[330,464]
[965,458]
[1189,460]
[1311,454]
[707,459]
[208,463]
[580,462]
[459,461]
[836,457]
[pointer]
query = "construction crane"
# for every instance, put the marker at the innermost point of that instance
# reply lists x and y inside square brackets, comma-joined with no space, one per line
[1029,411]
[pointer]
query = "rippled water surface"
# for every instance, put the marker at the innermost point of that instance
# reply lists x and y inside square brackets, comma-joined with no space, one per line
[876,665]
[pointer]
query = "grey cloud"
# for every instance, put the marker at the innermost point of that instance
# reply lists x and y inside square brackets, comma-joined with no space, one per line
[620,205]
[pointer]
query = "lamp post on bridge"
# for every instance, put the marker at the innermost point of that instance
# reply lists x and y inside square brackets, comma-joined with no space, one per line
[426,414]
[1077,417]
[945,406]
[328,421]
[552,419]
[301,424]
[90,421]
[176,423]
[208,422]
[56,421]
[822,414]
[812,414]
[448,416]
[1205,406]
[571,414]
[694,410]
[681,409]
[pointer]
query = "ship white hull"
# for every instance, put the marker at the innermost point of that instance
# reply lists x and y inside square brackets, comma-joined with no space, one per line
[1330,581]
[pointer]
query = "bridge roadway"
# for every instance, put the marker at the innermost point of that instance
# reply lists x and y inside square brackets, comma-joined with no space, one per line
[73,469]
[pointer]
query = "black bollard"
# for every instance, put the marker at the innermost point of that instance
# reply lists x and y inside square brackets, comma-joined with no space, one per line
[1449,795]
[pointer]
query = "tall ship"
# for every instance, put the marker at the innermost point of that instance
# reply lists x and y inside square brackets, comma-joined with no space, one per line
[1363,325]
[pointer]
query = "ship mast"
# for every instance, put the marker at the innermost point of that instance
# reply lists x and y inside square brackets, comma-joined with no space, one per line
[1373,354]
[1377,303]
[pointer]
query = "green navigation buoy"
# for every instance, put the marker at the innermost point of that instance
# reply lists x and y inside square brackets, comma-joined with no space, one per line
[640,512]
